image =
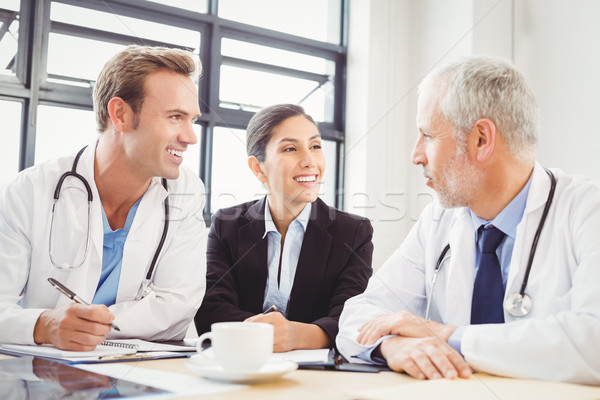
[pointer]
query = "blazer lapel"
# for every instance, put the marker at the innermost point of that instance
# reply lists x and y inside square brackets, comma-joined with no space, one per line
[252,257]
[312,264]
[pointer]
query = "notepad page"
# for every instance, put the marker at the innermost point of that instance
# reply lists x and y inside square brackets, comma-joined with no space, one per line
[53,352]
[144,345]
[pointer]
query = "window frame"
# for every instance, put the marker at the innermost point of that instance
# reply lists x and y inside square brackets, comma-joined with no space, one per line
[29,85]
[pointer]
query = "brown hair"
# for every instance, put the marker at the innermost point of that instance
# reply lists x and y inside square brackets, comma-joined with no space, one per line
[124,76]
[263,123]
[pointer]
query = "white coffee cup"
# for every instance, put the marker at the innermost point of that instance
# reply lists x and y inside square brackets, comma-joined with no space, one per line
[239,346]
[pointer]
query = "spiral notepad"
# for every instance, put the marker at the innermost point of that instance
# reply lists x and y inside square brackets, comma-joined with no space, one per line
[123,345]
[52,352]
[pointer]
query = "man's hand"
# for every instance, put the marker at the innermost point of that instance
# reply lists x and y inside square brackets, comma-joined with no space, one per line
[70,378]
[285,337]
[429,357]
[76,327]
[401,323]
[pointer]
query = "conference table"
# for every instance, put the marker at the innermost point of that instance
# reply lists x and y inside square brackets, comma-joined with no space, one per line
[321,384]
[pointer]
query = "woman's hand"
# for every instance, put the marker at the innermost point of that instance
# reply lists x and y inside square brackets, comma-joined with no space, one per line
[292,335]
[285,335]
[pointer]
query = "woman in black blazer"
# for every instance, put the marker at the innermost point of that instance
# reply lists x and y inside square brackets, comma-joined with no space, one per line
[288,249]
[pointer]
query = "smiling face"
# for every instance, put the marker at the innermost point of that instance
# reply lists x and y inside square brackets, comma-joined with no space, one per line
[164,126]
[445,161]
[294,164]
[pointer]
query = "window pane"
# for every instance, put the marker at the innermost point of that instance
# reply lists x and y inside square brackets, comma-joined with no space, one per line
[114,23]
[194,5]
[62,131]
[313,19]
[95,53]
[282,58]
[60,56]
[252,90]
[12,5]
[10,115]
[327,191]
[232,181]
[9,33]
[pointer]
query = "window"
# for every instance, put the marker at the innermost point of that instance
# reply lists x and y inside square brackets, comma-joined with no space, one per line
[314,19]
[233,182]
[253,54]
[9,33]
[62,131]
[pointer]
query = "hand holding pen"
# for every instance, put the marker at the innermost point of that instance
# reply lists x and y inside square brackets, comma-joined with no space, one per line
[76,326]
[271,309]
[70,294]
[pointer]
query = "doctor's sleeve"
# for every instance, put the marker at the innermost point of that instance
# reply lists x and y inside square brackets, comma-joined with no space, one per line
[398,285]
[15,257]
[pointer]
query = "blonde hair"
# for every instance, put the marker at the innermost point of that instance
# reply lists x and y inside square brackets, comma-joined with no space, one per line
[124,76]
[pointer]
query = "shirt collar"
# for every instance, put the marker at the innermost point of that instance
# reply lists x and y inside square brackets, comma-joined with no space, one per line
[301,219]
[508,219]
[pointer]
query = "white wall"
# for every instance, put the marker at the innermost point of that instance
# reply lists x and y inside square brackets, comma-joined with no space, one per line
[394,43]
[557,46]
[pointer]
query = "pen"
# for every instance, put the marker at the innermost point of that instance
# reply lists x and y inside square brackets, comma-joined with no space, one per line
[271,309]
[67,292]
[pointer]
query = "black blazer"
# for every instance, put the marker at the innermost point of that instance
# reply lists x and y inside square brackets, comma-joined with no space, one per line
[334,265]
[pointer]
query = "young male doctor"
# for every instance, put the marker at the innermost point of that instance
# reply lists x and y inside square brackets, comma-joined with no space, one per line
[465,262]
[146,103]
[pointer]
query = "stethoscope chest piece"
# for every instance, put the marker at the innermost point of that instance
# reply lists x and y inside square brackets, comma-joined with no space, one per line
[518,305]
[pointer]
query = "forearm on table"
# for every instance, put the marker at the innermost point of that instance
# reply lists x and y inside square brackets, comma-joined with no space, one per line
[309,336]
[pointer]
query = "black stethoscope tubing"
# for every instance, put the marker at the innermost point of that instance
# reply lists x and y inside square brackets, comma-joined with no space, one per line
[533,244]
[74,174]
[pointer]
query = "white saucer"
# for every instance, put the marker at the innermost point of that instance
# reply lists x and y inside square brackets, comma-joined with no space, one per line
[274,368]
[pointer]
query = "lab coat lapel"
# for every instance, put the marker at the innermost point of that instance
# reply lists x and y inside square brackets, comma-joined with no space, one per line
[252,255]
[459,284]
[536,200]
[312,263]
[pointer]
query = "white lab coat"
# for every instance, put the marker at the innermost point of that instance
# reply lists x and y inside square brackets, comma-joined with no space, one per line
[558,340]
[180,274]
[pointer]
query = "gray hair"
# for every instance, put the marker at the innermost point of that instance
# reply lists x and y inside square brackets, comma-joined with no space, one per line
[487,87]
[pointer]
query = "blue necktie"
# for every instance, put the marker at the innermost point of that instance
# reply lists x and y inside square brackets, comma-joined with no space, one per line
[488,290]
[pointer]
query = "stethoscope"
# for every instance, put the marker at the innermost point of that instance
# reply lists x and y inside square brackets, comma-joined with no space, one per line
[517,304]
[145,285]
